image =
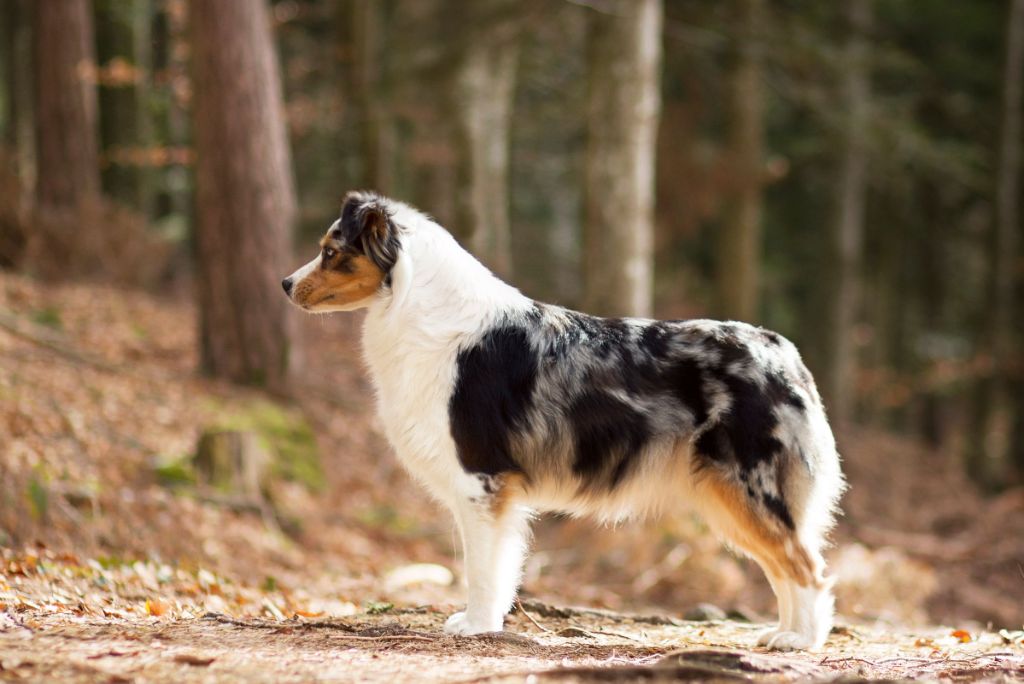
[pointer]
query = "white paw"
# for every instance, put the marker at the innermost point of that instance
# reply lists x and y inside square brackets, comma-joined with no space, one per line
[765,637]
[791,641]
[463,626]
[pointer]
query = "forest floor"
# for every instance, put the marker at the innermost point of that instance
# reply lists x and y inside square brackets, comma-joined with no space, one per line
[75,629]
[116,565]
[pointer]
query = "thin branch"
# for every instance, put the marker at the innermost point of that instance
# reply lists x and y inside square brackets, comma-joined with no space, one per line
[519,604]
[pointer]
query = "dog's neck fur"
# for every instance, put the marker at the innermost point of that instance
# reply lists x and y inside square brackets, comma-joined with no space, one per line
[438,290]
[442,299]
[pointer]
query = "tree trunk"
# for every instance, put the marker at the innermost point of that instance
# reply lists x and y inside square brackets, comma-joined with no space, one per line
[172,183]
[65,96]
[123,40]
[739,249]
[245,200]
[484,95]
[16,44]
[847,237]
[17,155]
[623,104]
[370,89]
[989,457]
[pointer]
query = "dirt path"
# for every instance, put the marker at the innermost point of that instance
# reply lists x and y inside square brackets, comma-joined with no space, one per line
[407,645]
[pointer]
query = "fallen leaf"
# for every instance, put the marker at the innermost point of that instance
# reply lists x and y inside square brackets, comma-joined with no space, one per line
[191,659]
[961,635]
[156,607]
[308,614]
[924,642]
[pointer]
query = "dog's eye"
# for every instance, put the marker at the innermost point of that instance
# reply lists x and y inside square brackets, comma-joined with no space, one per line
[329,253]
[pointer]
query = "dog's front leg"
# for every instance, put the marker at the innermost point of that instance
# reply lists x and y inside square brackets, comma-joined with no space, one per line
[494,545]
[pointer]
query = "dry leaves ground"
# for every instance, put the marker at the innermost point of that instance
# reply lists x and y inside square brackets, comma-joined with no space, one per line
[111,572]
[73,622]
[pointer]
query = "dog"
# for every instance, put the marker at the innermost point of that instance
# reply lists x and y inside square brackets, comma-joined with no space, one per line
[502,407]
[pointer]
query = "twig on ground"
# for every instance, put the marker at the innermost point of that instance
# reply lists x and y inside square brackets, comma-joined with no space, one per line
[620,635]
[848,659]
[350,632]
[519,604]
[392,637]
[546,610]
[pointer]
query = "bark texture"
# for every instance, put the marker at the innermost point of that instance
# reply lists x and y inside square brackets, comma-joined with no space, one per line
[245,199]
[65,97]
[739,249]
[370,87]
[989,458]
[17,155]
[484,93]
[623,104]
[847,236]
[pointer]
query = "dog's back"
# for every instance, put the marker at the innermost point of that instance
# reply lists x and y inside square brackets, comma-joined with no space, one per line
[619,416]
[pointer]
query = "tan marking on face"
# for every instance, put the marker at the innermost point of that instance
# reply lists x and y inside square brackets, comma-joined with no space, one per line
[339,281]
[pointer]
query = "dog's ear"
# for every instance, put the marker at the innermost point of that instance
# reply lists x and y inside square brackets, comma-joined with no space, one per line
[366,223]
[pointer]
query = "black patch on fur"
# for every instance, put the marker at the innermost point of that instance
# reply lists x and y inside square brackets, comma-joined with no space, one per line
[655,339]
[714,444]
[493,392]
[778,391]
[749,423]
[744,432]
[729,349]
[367,226]
[779,508]
[685,377]
[607,435]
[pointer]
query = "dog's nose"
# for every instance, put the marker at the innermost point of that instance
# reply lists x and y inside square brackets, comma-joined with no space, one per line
[287,285]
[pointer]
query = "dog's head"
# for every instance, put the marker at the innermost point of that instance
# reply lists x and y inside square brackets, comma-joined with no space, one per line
[357,256]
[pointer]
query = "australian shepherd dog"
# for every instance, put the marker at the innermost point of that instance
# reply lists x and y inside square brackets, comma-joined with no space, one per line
[503,407]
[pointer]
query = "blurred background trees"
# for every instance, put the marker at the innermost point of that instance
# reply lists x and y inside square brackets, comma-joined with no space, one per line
[244,197]
[846,173]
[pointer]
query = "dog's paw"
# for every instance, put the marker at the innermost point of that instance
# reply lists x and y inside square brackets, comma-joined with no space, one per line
[789,641]
[460,624]
[765,637]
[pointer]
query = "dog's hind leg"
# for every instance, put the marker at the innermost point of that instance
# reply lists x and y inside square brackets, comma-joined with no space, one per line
[494,538]
[792,561]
